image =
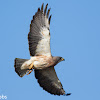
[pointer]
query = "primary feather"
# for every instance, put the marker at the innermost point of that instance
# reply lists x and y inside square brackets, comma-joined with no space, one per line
[39,35]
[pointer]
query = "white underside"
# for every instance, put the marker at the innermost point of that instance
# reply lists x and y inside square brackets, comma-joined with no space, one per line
[43,47]
[36,63]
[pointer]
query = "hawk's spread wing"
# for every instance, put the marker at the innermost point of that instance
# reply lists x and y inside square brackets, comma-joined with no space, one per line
[48,79]
[39,35]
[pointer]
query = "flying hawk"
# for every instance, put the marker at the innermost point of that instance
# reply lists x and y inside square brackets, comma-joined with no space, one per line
[41,59]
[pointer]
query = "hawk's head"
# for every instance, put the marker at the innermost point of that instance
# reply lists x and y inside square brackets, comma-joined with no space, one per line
[58,59]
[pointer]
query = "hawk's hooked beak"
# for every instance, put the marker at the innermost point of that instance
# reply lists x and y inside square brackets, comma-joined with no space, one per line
[62,59]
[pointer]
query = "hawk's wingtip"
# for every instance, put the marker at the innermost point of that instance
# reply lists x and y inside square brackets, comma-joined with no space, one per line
[67,94]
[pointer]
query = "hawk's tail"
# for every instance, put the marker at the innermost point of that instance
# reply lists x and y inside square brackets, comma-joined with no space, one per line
[18,63]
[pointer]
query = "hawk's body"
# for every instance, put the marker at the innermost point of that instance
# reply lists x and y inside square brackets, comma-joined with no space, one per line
[41,59]
[39,62]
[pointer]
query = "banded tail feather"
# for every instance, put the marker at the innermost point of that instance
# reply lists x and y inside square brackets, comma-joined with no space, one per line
[17,64]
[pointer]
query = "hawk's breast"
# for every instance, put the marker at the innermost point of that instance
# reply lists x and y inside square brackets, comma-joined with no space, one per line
[42,62]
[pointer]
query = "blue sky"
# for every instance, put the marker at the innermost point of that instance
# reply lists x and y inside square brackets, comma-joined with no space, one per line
[75,35]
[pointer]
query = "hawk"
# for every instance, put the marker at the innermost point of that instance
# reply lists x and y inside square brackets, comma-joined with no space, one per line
[41,60]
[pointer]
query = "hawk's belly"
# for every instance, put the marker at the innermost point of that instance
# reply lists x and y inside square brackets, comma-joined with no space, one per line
[40,65]
[42,62]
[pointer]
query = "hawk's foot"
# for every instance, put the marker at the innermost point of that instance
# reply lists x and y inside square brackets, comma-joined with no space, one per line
[31,66]
[29,72]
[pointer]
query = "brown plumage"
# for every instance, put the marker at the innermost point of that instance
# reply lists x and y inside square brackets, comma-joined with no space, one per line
[41,59]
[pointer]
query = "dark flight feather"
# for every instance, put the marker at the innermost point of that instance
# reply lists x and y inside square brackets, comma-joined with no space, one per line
[48,12]
[40,21]
[49,81]
[50,18]
[45,9]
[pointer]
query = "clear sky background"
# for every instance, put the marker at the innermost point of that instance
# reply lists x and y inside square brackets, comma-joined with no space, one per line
[75,35]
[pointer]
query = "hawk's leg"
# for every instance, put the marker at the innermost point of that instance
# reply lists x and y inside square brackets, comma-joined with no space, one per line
[29,72]
[31,68]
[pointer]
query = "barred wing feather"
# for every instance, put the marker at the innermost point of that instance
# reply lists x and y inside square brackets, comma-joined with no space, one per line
[39,35]
[49,81]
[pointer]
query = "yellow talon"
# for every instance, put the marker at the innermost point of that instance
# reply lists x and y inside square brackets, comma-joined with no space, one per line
[29,72]
[31,66]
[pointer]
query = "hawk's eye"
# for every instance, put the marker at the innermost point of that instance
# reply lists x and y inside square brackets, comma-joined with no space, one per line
[62,59]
